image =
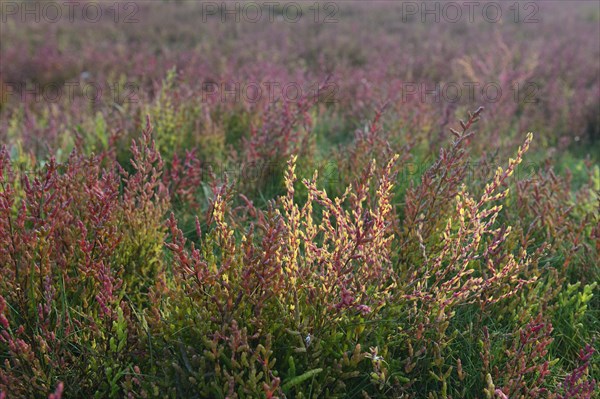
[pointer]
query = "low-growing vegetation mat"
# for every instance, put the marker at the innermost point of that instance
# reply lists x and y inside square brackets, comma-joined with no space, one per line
[323,200]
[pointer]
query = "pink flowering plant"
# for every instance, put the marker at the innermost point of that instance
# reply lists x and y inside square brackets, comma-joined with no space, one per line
[349,237]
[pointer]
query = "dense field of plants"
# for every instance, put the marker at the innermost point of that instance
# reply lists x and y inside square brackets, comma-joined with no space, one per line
[321,200]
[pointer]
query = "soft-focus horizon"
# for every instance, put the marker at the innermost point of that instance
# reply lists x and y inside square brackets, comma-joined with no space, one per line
[299,199]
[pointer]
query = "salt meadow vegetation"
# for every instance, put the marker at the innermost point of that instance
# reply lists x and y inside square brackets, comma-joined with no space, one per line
[349,202]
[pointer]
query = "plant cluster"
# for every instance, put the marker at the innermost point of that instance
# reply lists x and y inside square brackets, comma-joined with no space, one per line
[192,246]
